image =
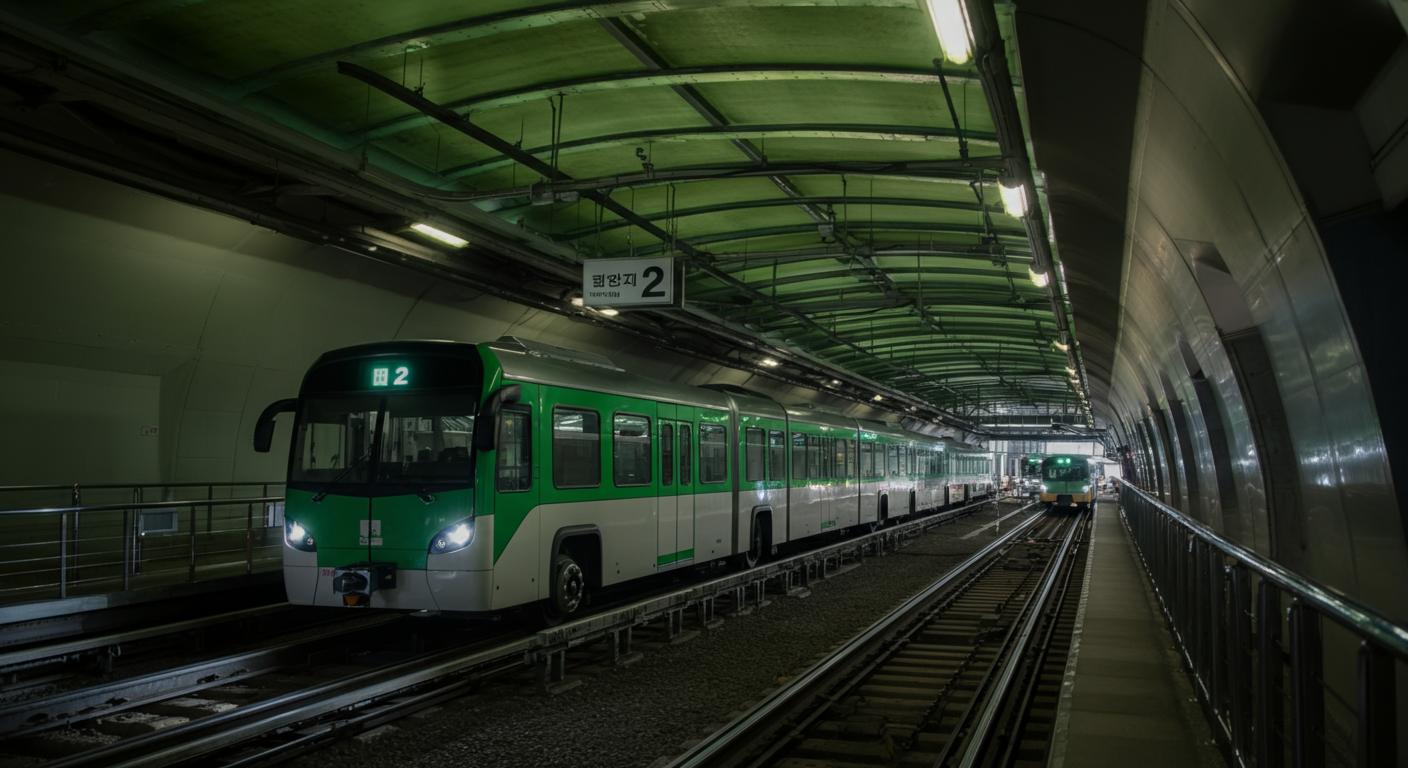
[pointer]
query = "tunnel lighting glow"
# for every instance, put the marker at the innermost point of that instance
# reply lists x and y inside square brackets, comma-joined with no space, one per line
[951,25]
[609,312]
[878,398]
[769,362]
[1014,199]
[1060,346]
[1070,370]
[835,382]
[1039,279]
[454,241]
[578,301]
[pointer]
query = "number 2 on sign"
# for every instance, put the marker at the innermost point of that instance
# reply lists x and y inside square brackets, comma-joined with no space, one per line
[657,276]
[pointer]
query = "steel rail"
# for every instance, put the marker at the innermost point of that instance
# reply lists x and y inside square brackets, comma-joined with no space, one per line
[1329,602]
[95,701]
[982,730]
[38,653]
[714,745]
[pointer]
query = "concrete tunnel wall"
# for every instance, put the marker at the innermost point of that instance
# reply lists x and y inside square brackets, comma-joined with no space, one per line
[122,312]
[1209,188]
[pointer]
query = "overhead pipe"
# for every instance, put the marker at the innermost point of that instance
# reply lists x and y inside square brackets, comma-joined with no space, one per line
[991,60]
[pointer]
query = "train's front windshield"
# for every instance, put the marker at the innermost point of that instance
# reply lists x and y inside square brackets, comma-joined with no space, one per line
[397,439]
[1074,470]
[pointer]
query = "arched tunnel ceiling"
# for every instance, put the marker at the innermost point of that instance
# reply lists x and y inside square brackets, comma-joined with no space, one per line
[841,188]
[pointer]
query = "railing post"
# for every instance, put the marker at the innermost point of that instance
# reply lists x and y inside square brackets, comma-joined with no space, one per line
[191,572]
[1239,660]
[249,538]
[1269,748]
[63,555]
[1217,639]
[1307,697]
[77,497]
[126,535]
[209,508]
[1377,743]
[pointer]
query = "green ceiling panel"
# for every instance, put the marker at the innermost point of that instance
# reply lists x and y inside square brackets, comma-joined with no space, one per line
[806,149]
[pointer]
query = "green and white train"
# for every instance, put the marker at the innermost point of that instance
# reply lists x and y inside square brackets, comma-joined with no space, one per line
[432,475]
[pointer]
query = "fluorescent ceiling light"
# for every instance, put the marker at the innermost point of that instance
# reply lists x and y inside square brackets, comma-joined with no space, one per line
[454,241]
[1060,346]
[951,25]
[835,382]
[609,312]
[1014,199]
[878,398]
[578,301]
[769,362]
[1039,279]
[1070,370]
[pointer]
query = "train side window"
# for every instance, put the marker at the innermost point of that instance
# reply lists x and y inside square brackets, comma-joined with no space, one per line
[852,463]
[630,449]
[576,448]
[713,453]
[667,454]
[892,465]
[514,465]
[799,456]
[840,454]
[777,455]
[754,452]
[686,455]
[815,470]
[867,459]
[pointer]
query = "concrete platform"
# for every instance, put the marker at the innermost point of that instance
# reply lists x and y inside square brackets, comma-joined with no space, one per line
[1126,700]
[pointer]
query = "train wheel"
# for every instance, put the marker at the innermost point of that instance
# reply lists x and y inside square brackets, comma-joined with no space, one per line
[569,587]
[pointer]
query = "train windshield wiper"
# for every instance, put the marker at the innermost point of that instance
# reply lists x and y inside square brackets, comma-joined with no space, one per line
[327,487]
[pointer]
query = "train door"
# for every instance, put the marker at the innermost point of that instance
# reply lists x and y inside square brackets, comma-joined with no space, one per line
[667,502]
[684,481]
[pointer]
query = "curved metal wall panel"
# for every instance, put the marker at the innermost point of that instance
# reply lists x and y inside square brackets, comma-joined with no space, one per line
[1207,178]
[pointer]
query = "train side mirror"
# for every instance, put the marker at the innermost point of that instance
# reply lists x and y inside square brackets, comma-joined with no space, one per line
[264,428]
[486,426]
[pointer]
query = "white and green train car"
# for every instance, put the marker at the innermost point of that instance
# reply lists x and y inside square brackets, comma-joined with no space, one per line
[448,476]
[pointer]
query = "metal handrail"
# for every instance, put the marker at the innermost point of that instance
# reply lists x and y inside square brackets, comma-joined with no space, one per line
[140,505]
[112,486]
[1329,602]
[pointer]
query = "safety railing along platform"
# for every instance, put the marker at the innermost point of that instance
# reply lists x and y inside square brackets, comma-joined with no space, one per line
[59,541]
[1290,672]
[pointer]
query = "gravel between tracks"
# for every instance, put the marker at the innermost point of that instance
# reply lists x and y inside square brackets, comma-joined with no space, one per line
[675,694]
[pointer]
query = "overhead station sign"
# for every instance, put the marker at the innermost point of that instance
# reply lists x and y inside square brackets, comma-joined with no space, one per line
[629,282]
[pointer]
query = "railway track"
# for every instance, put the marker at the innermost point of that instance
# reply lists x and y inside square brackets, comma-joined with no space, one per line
[271,703]
[966,673]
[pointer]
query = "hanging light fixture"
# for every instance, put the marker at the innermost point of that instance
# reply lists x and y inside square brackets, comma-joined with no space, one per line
[1014,198]
[1039,279]
[951,25]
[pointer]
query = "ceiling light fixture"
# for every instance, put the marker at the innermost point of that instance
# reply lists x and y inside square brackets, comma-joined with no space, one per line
[878,398]
[1014,199]
[835,382]
[1060,346]
[578,301]
[609,312]
[1039,279]
[454,241]
[951,25]
[769,362]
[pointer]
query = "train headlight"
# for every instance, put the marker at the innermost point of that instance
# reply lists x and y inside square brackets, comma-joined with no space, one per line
[1085,489]
[298,537]
[453,538]
[1043,487]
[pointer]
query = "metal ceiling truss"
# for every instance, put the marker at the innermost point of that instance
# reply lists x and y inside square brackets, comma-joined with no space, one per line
[663,77]
[732,133]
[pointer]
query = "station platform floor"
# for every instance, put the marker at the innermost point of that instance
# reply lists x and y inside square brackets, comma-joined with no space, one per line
[1125,701]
